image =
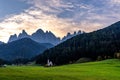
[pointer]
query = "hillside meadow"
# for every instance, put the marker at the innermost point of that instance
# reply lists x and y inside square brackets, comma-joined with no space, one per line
[102,70]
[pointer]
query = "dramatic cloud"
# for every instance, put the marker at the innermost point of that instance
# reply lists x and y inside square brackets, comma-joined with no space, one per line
[62,16]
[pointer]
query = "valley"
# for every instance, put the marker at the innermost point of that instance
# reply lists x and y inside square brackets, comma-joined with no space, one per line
[59,39]
[101,70]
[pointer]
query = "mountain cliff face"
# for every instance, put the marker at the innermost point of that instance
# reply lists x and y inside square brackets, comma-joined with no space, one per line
[1,42]
[13,38]
[43,37]
[103,43]
[24,48]
[23,35]
[39,36]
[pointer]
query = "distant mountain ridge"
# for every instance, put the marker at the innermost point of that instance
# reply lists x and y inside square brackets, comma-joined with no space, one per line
[43,37]
[24,48]
[39,36]
[69,35]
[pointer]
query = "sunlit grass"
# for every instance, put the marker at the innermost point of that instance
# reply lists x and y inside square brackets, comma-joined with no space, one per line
[102,70]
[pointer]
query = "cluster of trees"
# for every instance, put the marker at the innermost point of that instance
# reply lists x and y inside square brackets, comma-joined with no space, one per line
[18,61]
[1,62]
[96,45]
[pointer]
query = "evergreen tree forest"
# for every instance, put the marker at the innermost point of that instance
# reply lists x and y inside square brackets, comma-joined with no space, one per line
[102,44]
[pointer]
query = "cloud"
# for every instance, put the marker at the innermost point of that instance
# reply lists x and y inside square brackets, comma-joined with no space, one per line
[61,16]
[115,1]
[31,20]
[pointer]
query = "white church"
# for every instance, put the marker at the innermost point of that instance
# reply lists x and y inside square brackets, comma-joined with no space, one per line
[49,63]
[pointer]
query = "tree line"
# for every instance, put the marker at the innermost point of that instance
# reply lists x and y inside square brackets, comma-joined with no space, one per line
[97,45]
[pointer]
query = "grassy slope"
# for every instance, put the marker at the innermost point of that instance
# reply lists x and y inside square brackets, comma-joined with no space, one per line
[103,70]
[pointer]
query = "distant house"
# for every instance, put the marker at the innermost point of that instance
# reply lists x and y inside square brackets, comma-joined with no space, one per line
[117,55]
[49,63]
[3,65]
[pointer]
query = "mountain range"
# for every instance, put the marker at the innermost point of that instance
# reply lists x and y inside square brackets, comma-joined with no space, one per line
[43,37]
[26,46]
[100,44]
[39,36]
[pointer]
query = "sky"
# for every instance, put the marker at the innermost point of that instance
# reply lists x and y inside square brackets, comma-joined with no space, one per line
[58,16]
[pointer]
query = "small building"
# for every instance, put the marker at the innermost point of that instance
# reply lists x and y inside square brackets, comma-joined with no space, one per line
[49,63]
[117,55]
[3,65]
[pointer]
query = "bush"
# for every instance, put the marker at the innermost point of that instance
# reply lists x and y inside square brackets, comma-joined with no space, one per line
[83,60]
[99,58]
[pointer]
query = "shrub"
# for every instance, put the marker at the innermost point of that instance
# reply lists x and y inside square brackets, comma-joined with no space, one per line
[83,60]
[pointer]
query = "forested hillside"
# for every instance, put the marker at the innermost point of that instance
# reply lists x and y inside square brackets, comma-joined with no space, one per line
[102,43]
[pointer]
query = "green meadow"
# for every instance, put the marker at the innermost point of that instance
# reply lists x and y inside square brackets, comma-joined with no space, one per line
[101,70]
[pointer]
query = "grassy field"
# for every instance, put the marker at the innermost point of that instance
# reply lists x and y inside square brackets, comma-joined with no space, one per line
[102,70]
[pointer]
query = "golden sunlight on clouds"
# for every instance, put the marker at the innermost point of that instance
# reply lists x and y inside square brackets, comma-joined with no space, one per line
[28,22]
[37,18]
[33,20]
[115,1]
[61,16]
